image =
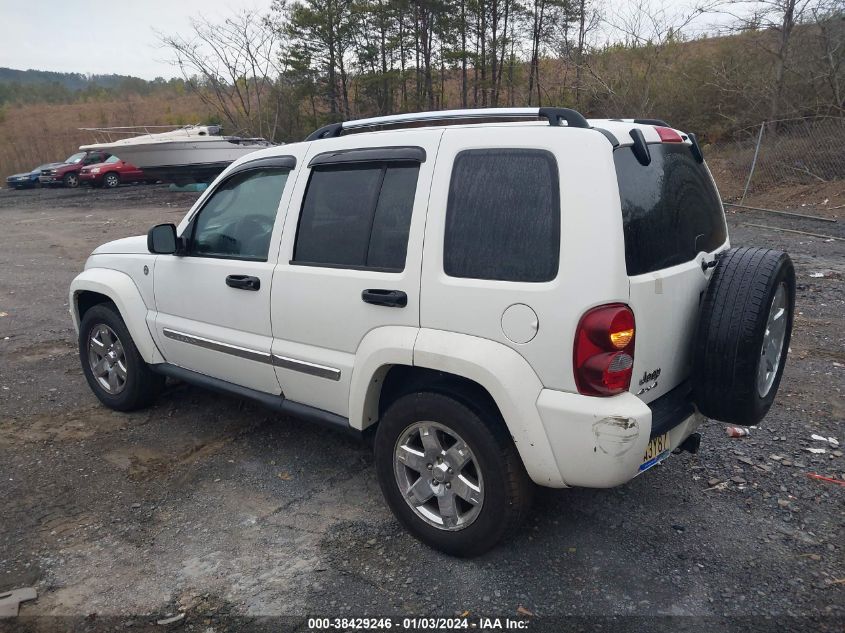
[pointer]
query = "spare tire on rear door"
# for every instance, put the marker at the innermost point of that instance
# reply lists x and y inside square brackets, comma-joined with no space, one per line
[743,335]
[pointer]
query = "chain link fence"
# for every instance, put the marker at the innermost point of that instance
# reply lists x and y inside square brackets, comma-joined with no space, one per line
[774,153]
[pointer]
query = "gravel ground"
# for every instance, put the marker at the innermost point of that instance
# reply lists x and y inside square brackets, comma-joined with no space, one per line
[212,507]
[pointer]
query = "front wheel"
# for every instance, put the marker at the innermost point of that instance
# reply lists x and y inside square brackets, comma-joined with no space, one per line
[111,180]
[450,473]
[71,181]
[113,367]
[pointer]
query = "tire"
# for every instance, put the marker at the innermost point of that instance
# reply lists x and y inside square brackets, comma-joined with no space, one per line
[736,378]
[71,181]
[139,384]
[111,180]
[503,487]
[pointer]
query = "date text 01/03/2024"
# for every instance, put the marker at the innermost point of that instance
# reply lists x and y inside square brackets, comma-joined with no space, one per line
[418,624]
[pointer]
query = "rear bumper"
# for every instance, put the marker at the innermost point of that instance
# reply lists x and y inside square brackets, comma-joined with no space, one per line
[601,442]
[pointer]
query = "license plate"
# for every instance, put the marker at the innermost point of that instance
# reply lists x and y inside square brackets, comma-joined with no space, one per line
[656,451]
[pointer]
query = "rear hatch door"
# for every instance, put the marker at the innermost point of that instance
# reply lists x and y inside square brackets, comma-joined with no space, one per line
[673,220]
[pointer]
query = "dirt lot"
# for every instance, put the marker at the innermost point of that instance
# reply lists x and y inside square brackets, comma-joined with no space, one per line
[216,508]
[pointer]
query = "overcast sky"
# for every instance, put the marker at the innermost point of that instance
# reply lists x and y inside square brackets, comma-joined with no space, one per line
[97,36]
[119,36]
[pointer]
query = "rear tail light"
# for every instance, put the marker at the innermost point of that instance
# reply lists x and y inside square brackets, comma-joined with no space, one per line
[604,350]
[668,135]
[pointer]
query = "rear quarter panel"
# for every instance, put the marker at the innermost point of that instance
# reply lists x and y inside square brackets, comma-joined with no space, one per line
[592,256]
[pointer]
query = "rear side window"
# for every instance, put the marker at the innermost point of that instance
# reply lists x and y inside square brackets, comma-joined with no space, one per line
[670,208]
[357,216]
[503,216]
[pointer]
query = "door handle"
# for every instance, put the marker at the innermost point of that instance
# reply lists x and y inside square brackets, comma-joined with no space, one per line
[389,298]
[243,282]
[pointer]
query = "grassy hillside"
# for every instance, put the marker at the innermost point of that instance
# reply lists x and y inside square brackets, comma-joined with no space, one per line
[32,134]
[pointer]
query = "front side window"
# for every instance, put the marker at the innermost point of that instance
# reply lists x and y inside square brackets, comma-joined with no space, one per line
[237,221]
[357,215]
[503,216]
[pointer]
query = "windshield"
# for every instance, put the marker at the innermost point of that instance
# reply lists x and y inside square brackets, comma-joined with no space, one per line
[75,158]
[670,208]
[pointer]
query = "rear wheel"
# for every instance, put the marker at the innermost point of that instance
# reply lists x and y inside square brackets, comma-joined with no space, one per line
[743,335]
[111,180]
[115,371]
[450,474]
[71,180]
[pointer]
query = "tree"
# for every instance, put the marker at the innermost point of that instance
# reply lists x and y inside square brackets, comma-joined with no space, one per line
[232,66]
[777,17]
[325,29]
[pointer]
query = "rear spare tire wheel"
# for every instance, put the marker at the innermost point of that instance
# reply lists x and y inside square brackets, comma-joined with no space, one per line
[450,473]
[743,335]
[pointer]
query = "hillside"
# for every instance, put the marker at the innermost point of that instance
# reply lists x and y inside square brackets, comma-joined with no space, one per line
[32,134]
[71,81]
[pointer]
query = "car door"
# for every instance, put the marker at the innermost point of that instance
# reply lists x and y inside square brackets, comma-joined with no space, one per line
[350,258]
[213,300]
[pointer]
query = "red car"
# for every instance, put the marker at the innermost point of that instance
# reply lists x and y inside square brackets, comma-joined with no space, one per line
[111,173]
[67,173]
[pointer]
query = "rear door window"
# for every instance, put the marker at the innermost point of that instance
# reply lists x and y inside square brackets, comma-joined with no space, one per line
[358,216]
[670,208]
[503,216]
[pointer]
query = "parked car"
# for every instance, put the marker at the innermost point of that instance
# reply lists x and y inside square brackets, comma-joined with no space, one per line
[548,300]
[27,179]
[67,173]
[110,173]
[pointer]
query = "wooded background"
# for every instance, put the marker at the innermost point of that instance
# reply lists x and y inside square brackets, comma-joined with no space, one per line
[283,72]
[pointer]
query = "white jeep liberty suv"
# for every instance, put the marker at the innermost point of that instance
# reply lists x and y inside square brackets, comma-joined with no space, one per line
[502,296]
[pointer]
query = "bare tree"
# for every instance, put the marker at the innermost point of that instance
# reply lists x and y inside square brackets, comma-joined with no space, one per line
[830,18]
[233,68]
[778,17]
[649,29]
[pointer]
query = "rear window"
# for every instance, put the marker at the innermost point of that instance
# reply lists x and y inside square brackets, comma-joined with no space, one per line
[503,216]
[670,208]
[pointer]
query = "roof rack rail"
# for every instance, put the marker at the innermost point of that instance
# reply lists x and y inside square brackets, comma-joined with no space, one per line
[553,115]
[659,122]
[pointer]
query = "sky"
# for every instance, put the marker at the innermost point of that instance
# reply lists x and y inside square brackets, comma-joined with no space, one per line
[100,37]
[119,36]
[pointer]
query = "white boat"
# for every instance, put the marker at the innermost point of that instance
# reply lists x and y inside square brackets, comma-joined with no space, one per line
[193,153]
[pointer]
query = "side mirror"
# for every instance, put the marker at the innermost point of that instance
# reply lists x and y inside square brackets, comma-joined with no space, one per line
[162,240]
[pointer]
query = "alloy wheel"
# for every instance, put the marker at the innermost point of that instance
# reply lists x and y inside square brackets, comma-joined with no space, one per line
[438,475]
[773,337]
[107,359]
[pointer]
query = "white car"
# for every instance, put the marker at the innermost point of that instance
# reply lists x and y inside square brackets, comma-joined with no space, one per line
[501,296]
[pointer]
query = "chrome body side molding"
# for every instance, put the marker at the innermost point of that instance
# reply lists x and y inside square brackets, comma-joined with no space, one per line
[285,362]
[305,367]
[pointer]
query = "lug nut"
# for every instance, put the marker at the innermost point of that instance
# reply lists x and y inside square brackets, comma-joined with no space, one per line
[451,471]
[448,485]
[429,466]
